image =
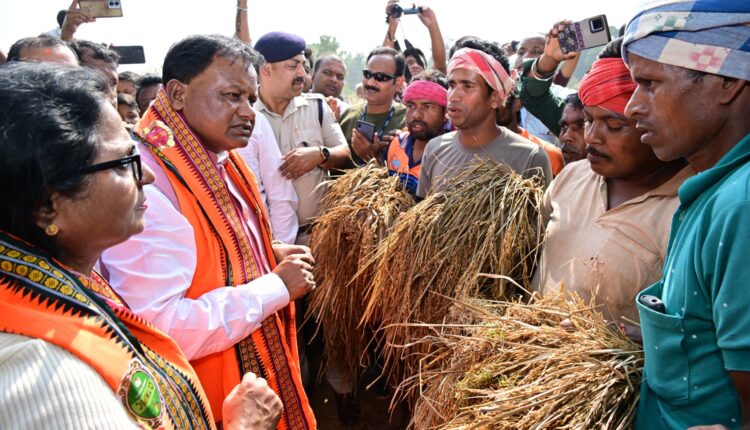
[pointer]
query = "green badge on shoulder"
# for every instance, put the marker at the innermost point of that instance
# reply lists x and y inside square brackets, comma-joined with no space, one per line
[140,394]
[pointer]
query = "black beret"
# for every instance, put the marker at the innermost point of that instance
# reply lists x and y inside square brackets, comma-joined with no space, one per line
[279,46]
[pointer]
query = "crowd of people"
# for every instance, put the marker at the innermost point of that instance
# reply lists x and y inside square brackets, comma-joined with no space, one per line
[154,230]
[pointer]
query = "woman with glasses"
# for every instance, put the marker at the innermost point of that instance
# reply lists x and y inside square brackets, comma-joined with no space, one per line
[72,354]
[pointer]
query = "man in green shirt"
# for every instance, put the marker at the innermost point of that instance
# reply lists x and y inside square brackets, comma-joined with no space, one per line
[562,115]
[381,80]
[689,59]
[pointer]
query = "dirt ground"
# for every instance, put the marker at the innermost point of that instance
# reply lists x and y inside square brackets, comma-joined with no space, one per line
[373,403]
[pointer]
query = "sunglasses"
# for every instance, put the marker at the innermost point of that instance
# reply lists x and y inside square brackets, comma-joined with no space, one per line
[378,76]
[133,160]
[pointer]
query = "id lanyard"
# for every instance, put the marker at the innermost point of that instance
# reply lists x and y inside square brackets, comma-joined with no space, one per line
[387,120]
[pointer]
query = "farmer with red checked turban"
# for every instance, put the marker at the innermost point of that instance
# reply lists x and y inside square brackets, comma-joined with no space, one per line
[479,82]
[608,215]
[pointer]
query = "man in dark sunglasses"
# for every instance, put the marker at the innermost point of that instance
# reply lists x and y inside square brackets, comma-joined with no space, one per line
[381,79]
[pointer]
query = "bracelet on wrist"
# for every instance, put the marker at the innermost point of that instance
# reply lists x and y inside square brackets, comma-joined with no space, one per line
[242,9]
[537,74]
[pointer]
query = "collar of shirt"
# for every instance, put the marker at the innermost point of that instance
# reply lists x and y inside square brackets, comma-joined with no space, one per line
[220,159]
[292,107]
[667,189]
[695,186]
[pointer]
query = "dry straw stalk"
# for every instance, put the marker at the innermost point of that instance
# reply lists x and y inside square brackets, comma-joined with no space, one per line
[487,220]
[357,213]
[549,364]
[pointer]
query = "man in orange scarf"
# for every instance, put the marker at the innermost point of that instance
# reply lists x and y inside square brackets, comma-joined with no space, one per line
[204,269]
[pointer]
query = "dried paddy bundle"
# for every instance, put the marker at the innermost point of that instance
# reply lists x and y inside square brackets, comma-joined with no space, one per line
[550,364]
[357,212]
[488,221]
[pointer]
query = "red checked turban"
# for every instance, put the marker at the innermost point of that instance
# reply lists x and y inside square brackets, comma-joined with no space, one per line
[486,66]
[607,85]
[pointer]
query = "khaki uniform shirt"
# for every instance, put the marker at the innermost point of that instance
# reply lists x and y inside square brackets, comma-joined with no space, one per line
[300,126]
[619,251]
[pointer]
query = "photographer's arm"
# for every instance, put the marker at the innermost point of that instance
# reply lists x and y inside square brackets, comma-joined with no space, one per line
[390,36]
[553,55]
[242,27]
[428,18]
[74,17]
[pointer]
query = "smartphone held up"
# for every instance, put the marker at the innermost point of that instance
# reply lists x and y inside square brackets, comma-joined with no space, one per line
[585,34]
[101,8]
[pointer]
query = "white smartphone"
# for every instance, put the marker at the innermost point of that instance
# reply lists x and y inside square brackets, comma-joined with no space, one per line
[585,34]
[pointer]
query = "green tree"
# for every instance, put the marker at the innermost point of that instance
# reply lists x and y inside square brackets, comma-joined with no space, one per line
[354,65]
[326,45]
[355,62]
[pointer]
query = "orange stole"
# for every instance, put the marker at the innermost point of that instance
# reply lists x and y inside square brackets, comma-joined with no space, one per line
[93,341]
[270,351]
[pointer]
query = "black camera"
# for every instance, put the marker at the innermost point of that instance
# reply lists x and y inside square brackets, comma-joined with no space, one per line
[396,11]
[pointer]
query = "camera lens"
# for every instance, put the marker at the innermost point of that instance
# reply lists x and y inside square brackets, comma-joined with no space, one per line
[396,11]
[596,25]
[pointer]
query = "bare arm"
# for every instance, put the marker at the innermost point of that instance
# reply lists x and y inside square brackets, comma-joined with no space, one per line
[241,26]
[340,158]
[569,66]
[429,19]
[553,56]
[390,35]
[74,17]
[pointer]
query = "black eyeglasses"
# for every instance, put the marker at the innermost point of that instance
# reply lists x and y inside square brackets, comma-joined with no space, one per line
[133,160]
[378,76]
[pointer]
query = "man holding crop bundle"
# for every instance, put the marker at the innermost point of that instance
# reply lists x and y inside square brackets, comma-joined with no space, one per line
[479,84]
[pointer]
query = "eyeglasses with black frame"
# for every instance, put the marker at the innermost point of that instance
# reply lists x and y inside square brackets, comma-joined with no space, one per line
[133,160]
[378,76]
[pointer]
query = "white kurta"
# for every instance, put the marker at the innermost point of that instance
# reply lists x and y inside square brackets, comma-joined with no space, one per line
[263,157]
[153,270]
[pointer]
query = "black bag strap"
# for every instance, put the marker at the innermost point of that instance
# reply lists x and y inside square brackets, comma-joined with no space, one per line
[320,112]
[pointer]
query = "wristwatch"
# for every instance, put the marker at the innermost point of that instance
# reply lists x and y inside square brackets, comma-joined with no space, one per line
[325,153]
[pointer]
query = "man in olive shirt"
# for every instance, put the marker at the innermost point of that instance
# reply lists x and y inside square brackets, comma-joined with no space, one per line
[381,79]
